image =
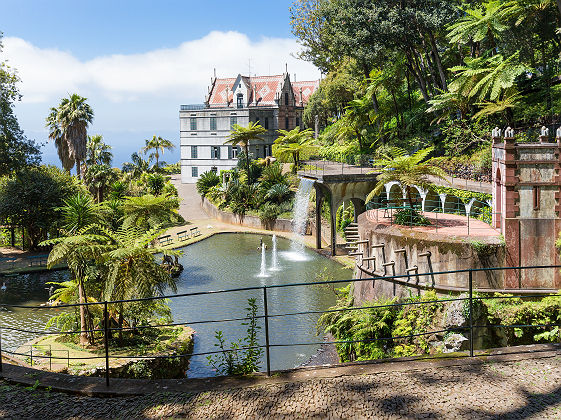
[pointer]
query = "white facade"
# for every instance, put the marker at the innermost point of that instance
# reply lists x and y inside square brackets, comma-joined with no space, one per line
[205,128]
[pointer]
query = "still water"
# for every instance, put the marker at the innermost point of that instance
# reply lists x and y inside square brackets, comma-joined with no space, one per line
[221,262]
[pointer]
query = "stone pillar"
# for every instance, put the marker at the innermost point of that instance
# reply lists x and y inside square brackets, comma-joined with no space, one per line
[333,217]
[319,198]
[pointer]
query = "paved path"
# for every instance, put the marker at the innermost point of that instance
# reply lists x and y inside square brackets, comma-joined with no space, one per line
[441,224]
[512,386]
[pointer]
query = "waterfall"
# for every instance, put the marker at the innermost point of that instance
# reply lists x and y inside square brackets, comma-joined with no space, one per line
[299,220]
[275,266]
[263,272]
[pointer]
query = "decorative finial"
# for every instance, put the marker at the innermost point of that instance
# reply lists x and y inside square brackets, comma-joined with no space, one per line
[509,133]
[544,134]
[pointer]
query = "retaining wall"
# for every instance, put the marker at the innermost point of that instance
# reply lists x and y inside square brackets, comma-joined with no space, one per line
[280,225]
[446,254]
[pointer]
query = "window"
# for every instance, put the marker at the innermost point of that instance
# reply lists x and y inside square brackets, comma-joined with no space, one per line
[536,194]
[268,151]
[286,123]
[214,169]
[286,99]
[266,123]
[240,100]
[194,152]
[194,171]
[215,152]
[233,121]
[297,122]
[212,123]
[235,152]
[193,123]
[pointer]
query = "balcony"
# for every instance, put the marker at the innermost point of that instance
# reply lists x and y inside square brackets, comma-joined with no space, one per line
[196,107]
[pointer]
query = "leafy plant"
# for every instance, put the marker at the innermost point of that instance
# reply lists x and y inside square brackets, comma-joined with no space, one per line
[410,217]
[243,356]
[206,181]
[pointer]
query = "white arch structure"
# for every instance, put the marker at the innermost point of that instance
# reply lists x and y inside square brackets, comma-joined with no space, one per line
[422,192]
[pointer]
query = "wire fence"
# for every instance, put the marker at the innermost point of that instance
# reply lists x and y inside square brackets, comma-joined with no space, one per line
[104,331]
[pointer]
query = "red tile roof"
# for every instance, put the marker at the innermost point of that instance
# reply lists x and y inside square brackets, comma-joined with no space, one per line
[266,88]
[303,90]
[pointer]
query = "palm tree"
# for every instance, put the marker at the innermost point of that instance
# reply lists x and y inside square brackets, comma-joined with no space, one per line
[292,143]
[132,270]
[138,166]
[149,212]
[97,177]
[242,136]
[78,252]
[56,134]
[408,170]
[78,212]
[73,116]
[485,82]
[157,144]
[97,152]
[478,25]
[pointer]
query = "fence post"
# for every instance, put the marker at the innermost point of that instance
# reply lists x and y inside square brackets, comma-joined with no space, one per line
[266,331]
[106,341]
[470,313]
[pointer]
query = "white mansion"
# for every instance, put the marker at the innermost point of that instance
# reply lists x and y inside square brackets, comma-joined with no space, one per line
[274,101]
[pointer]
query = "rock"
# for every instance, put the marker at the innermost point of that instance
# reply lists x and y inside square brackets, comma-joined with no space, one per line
[454,316]
[455,342]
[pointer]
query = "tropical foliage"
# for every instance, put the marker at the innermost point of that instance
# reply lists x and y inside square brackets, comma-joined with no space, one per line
[242,136]
[408,170]
[16,151]
[403,73]
[67,124]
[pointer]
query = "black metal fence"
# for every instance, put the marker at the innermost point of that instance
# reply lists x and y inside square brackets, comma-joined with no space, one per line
[405,280]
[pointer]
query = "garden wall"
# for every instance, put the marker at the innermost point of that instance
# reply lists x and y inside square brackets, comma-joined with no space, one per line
[280,225]
[447,253]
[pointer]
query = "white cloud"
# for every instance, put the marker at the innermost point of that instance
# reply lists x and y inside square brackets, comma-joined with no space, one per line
[180,74]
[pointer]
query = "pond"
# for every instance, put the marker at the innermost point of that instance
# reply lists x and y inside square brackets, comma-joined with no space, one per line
[224,261]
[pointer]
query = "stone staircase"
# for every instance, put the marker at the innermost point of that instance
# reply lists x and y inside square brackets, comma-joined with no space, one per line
[352,236]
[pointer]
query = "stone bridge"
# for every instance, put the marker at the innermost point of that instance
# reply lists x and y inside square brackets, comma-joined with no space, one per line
[339,183]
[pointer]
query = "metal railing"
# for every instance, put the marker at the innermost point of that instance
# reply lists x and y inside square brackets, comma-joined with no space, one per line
[405,280]
[195,107]
[478,216]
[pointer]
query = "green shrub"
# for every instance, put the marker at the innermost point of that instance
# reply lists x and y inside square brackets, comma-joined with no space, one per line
[415,319]
[363,324]
[516,311]
[410,217]
[155,184]
[206,181]
[269,212]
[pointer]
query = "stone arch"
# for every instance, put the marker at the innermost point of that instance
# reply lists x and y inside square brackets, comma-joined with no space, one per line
[359,207]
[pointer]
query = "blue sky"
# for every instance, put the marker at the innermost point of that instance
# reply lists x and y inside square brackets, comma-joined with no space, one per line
[137,61]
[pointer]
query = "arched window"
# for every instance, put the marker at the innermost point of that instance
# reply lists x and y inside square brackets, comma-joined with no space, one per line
[240,100]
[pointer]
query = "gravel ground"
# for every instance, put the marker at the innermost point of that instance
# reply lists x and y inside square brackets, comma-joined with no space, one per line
[528,389]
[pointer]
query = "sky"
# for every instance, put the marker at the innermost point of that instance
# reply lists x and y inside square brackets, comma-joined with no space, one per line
[138,61]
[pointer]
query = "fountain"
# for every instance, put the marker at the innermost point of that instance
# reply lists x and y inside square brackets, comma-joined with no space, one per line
[275,266]
[263,272]
[300,218]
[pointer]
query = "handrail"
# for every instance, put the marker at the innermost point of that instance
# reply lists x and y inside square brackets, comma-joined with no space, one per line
[106,330]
